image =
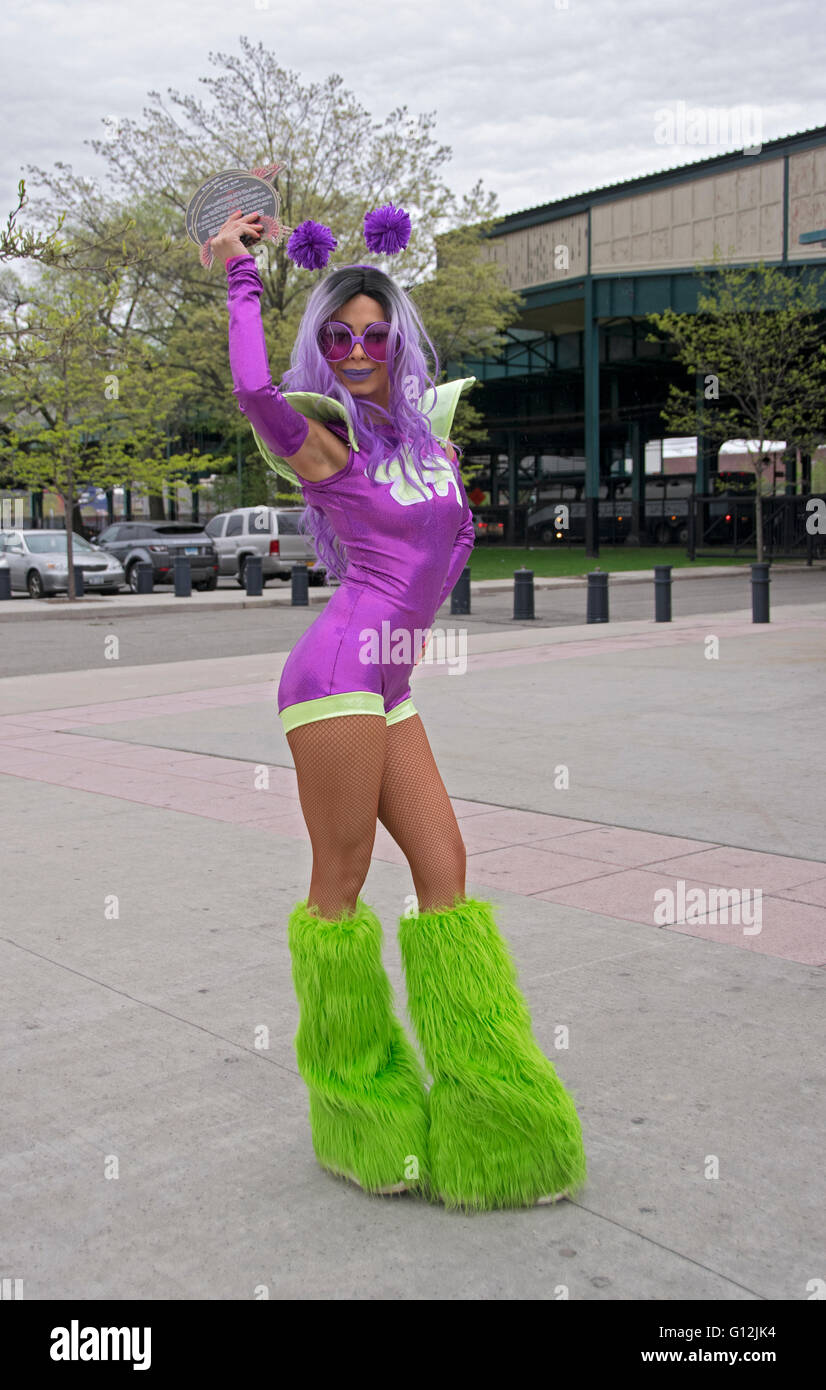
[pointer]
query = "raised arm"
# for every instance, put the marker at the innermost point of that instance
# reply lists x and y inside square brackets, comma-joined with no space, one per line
[284,429]
[312,450]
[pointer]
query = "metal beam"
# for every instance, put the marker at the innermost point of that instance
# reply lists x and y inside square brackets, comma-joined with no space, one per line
[706,448]
[637,447]
[592,450]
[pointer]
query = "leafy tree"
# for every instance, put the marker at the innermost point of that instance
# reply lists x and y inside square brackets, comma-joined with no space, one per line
[82,405]
[337,164]
[106,249]
[758,339]
[17,244]
[465,306]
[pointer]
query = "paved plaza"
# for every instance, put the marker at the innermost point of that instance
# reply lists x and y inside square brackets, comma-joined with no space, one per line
[606,778]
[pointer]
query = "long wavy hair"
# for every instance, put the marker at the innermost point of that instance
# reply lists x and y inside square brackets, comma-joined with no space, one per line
[381,433]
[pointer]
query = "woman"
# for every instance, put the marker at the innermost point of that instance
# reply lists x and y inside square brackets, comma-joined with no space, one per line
[390,517]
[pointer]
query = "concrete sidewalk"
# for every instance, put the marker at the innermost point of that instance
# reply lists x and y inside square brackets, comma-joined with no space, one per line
[153,1148]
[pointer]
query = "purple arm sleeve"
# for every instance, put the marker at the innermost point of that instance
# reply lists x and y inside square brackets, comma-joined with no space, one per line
[282,428]
[462,546]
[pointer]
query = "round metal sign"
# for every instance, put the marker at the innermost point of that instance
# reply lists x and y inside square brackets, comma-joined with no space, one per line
[211,204]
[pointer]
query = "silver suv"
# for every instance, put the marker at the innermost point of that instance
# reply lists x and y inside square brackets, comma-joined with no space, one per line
[271,532]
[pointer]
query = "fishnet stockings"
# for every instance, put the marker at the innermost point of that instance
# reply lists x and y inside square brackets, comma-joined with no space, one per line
[355,769]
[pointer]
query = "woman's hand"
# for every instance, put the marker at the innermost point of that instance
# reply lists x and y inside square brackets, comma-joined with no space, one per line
[227,242]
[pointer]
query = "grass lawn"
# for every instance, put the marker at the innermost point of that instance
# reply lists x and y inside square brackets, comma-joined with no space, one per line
[494,561]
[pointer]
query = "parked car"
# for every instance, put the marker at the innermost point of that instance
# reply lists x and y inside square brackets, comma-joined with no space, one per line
[37,562]
[488,527]
[272,533]
[158,542]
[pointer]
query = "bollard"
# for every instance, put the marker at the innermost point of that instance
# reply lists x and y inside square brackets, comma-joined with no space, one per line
[5,583]
[597,611]
[300,586]
[662,593]
[523,594]
[144,585]
[183,576]
[254,575]
[460,598]
[79,589]
[760,593]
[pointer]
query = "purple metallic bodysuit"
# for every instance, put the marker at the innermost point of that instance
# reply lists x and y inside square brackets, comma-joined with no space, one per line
[404,550]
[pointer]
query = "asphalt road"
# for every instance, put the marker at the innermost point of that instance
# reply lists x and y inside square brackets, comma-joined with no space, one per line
[47,645]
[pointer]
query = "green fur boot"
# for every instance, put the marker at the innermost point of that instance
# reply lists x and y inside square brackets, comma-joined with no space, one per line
[368,1104]
[504,1132]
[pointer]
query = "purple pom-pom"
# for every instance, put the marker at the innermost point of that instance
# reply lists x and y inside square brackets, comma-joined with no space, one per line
[387,230]
[310,245]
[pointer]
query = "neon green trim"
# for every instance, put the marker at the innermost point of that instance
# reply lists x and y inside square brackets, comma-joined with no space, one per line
[402,711]
[318,407]
[330,706]
[314,406]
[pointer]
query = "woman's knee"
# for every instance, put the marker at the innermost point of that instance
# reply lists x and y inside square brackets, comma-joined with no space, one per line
[444,861]
[346,864]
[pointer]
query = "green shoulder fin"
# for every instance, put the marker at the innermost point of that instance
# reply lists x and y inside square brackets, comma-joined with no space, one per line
[447,398]
[315,407]
[319,407]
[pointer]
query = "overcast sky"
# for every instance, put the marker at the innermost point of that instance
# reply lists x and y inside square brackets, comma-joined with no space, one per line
[538,98]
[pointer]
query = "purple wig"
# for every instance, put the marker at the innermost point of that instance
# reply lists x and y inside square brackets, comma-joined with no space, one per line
[380,433]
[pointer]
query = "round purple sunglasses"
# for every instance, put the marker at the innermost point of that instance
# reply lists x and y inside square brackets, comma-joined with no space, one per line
[337,341]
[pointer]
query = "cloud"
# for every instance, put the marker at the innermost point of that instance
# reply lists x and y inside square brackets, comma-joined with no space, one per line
[539,99]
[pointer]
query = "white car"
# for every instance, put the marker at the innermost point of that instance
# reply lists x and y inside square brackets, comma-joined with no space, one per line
[38,565]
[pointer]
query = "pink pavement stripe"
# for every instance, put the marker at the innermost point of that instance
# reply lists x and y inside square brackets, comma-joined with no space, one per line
[533,861]
[610,870]
[15,728]
[164,791]
[285,823]
[514,826]
[730,867]
[41,742]
[523,869]
[814,893]
[626,848]
[76,752]
[478,842]
[139,755]
[282,777]
[794,931]
[469,808]
[148,706]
